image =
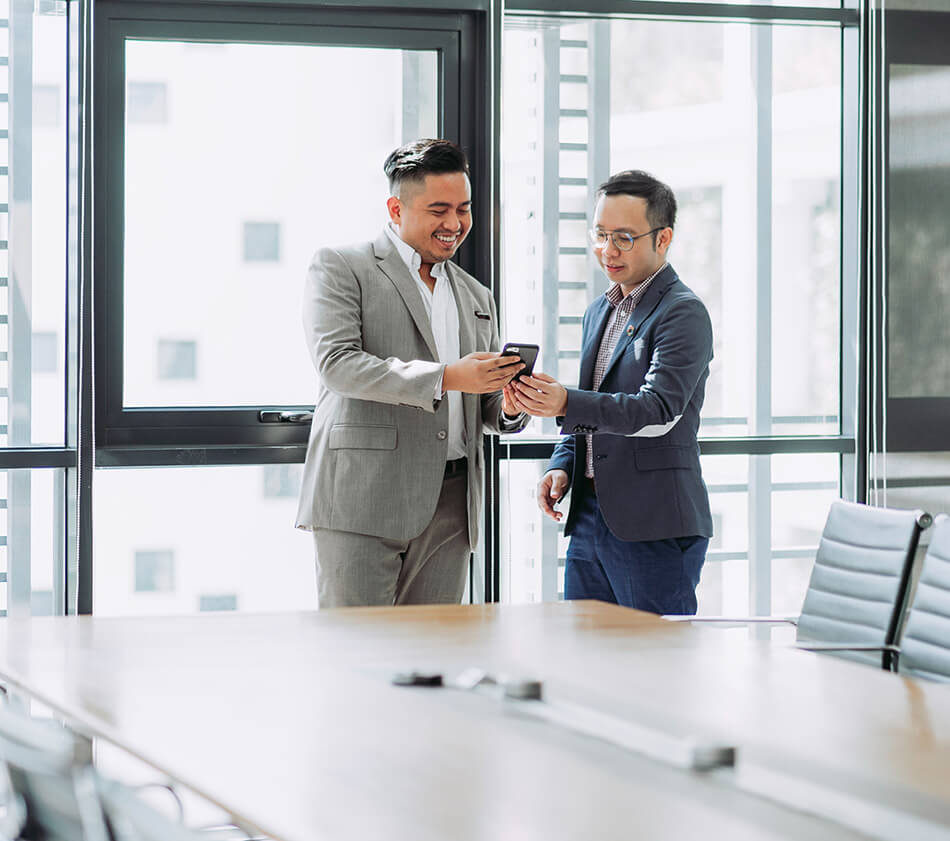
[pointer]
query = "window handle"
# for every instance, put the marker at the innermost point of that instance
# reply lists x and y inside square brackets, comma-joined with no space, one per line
[284,417]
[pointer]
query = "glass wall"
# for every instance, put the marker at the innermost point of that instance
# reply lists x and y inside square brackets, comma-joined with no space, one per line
[33,144]
[229,177]
[238,146]
[748,133]
[37,137]
[732,151]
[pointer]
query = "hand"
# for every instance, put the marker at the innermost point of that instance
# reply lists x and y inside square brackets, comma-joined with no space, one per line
[508,405]
[539,395]
[480,373]
[551,490]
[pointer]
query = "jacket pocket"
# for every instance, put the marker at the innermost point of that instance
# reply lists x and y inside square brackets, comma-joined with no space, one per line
[666,458]
[344,436]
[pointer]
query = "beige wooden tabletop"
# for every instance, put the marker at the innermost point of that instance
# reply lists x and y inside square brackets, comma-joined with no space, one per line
[291,722]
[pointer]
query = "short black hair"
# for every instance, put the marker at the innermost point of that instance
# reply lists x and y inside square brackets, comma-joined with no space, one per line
[414,161]
[661,203]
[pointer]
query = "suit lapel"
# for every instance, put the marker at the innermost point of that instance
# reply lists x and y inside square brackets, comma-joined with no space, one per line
[600,312]
[395,269]
[645,307]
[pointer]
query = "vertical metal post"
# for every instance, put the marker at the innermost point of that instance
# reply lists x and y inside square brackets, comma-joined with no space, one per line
[550,214]
[20,327]
[550,210]
[491,83]
[851,307]
[67,600]
[760,466]
[85,453]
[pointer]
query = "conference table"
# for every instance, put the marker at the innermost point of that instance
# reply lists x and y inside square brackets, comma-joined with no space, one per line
[294,725]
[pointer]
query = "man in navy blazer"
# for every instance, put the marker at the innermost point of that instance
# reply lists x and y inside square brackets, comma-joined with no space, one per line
[639,518]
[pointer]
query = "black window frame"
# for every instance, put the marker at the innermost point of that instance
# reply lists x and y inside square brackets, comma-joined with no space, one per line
[235,434]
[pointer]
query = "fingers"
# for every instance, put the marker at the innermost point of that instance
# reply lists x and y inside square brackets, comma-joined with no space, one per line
[532,397]
[514,399]
[542,385]
[508,363]
[545,502]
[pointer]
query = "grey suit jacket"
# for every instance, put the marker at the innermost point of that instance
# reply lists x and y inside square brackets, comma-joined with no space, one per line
[644,418]
[378,441]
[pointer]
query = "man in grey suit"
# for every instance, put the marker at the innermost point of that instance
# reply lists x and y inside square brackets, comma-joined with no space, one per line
[406,347]
[639,518]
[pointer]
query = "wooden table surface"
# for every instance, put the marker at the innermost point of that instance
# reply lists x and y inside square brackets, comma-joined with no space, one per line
[291,723]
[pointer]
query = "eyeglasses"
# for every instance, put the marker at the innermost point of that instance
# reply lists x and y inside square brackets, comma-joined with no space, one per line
[620,239]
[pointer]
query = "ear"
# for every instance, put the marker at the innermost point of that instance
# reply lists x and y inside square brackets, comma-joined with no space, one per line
[664,239]
[395,209]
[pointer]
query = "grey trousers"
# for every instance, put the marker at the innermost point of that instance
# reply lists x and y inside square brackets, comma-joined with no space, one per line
[359,569]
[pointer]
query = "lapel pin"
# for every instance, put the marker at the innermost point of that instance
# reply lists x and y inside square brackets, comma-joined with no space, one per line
[630,330]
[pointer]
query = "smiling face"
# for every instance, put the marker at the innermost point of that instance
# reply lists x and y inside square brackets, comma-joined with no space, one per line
[433,216]
[628,214]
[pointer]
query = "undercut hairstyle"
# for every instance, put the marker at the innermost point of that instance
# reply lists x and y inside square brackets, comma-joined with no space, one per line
[410,164]
[661,203]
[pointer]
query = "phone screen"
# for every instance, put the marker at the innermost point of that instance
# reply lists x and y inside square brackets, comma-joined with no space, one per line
[525,351]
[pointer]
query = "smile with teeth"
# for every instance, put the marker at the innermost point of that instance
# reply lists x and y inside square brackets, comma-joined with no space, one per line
[447,239]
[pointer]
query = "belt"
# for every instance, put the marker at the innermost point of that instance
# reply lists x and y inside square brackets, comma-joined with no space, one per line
[455,465]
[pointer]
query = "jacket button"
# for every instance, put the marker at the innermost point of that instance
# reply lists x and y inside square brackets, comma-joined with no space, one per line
[442,435]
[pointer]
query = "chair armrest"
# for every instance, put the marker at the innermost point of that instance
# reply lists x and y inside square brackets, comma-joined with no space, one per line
[735,620]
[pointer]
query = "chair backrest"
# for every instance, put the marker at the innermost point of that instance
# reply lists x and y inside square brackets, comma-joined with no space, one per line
[49,780]
[925,647]
[860,583]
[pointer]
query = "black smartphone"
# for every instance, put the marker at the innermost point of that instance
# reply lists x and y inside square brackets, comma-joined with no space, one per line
[526,352]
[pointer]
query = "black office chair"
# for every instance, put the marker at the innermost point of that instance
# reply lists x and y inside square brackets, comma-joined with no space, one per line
[859,588]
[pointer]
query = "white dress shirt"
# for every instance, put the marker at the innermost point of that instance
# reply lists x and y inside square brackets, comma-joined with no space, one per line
[444,317]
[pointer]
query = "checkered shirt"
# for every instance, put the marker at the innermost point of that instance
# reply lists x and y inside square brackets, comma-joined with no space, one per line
[623,308]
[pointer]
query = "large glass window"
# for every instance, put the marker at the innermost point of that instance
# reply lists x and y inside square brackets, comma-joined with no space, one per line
[32,542]
[748,133]
[182,540]
[37,176]
[748,127]
[33,213]
[250,133]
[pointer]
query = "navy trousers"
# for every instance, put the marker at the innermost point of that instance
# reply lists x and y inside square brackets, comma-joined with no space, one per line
[659,576]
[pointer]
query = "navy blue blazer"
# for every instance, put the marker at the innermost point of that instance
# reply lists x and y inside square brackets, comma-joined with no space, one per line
[645,416]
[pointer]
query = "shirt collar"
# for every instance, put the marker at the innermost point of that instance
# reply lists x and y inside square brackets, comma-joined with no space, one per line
[410,256]
[614,293]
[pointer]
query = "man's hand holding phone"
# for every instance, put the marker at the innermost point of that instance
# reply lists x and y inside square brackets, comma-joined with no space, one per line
[538,395]
[480,373]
